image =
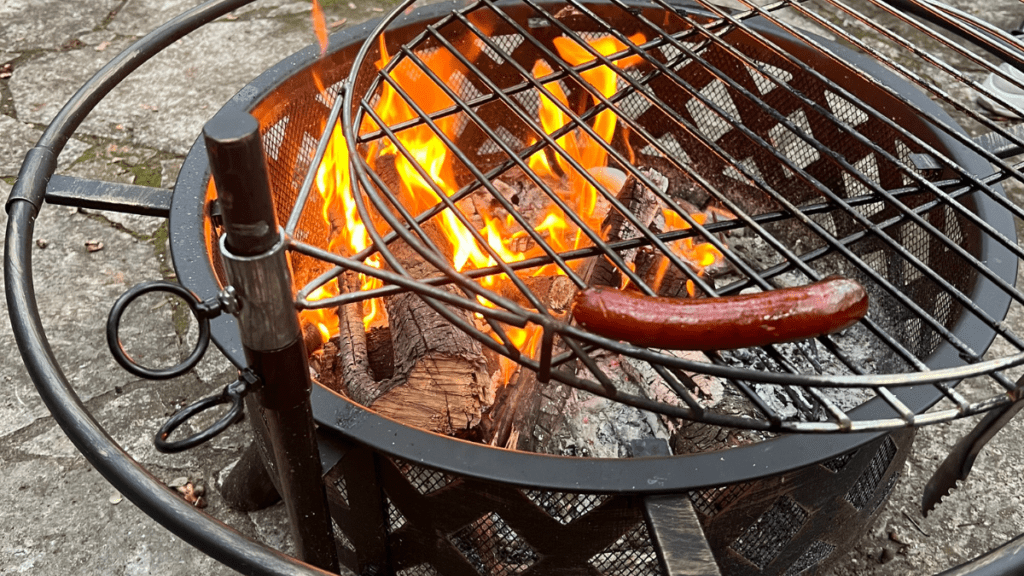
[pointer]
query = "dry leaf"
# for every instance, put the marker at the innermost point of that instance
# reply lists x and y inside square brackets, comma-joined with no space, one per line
[102,45]
[337,23]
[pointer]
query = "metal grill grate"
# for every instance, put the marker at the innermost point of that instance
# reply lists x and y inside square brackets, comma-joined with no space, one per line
[829,163]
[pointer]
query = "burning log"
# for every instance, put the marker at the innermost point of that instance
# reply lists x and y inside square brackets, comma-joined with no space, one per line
[439,377]
[554,292]
[643,203]
[440,380]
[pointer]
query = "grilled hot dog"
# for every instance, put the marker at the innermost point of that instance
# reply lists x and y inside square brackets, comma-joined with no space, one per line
[740,321]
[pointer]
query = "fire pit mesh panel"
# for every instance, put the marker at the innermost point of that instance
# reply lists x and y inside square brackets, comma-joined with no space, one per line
[631,555]
[868,482]
[425,480]
[418,570]
[761,543]
[493,547]
[818,552]
[565,507]
[839,462]
[711,501]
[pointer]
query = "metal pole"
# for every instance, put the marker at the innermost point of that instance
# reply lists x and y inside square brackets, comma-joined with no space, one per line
[256,263]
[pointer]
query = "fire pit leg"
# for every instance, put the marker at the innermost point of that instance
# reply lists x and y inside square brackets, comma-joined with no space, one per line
[257,267]
[248,486]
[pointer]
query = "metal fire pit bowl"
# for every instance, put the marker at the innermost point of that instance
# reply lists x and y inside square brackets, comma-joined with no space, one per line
[781,506]
[410,502]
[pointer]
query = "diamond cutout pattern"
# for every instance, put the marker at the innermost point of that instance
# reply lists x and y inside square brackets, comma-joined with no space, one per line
[424,480]
[815,554]
[395,518]
[763,540]
[565,507]
[493,547]
[864,489]
[631,555]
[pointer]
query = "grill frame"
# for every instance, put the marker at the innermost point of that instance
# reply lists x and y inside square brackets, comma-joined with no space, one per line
[188,220]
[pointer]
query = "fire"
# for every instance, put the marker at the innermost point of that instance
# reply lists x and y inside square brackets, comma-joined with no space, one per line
[425,174]
[325,319]
[319,26]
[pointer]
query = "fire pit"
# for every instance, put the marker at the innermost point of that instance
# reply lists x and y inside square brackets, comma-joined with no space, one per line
[655,150]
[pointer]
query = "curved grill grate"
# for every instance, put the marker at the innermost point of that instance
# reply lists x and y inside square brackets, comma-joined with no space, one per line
[814,159]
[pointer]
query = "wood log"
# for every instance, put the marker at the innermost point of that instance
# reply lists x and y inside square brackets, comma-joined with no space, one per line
[440,381]
[554,292]
[644,204]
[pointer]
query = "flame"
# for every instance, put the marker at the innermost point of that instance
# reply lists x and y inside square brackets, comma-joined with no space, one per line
[319,26]
[424,171]
[325,319]
[700,255]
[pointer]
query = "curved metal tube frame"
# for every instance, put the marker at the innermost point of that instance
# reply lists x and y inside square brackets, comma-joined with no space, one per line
[209,535]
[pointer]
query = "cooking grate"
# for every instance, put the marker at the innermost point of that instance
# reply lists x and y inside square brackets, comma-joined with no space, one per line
[822,159]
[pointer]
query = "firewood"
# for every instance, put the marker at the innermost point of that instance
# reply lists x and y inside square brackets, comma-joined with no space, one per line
[644,204]
[440,380]
[554,292]
[679,184]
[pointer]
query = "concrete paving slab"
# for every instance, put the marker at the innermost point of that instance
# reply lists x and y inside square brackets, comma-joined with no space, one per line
[49,24]
[19,137]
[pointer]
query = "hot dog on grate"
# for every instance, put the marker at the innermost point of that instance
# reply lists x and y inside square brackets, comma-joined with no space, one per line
[772,317]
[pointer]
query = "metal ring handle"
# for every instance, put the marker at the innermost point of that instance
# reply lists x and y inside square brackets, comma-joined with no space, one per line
[114,322]
[232,394]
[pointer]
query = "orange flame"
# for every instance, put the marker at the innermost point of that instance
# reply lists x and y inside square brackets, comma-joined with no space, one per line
[319,26]
[427,173]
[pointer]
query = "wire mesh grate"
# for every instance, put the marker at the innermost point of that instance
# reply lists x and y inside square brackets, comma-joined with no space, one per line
[424,480]
[631,555]
[815,554]
[764,539]
[566,507]
[493,547]
[862,491]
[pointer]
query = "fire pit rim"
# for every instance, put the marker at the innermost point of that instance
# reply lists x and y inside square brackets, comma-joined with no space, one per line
[643,475]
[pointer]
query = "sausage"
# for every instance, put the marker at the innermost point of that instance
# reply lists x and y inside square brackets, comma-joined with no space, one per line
[740,321]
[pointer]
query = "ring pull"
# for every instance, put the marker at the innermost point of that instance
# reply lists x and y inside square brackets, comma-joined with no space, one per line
[232,394]
[202,311]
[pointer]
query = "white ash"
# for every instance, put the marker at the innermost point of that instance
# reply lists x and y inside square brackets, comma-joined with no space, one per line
[597,427]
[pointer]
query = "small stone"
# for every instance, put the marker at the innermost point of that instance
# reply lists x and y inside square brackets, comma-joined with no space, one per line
[42,243]
[115,498]
[199,489]
[178,482]
[886,556]
[93,245]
